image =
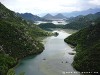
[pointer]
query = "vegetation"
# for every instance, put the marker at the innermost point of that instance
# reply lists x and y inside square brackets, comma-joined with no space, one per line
[47,26]
[29,16]
[56,34]
[17,39]
[12,72]
[87,42]
[75,23]
[81,22]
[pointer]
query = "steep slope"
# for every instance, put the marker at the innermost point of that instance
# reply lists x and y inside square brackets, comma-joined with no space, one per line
[87,42]
[17,39]
[80,22]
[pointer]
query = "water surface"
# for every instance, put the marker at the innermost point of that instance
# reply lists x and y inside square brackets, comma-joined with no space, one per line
[59,22]
[54,60]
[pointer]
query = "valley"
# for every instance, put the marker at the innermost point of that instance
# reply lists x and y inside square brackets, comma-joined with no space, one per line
[54,60]
[53,44]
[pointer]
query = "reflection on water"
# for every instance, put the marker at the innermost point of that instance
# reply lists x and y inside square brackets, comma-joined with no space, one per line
[54,60]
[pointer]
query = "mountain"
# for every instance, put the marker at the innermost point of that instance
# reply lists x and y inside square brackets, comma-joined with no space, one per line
[29,16]
[81,21]
[87,43]
[59,16]
[56,17]
[85,12]
[18,39]
[48,17]
[76,23]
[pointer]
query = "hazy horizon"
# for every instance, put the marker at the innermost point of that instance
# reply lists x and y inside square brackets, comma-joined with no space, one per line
[41,7]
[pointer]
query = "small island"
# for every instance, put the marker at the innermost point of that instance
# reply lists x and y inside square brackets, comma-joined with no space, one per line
[56,33]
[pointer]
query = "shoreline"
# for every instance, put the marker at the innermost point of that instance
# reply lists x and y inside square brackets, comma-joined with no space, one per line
[19,61]
[58,61]
[35,54]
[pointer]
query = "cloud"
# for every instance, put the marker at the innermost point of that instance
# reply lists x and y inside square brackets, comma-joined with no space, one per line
[95,2]
[50,6]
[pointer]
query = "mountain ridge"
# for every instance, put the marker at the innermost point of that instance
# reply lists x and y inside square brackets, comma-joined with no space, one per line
[55,17]
[29,16]
[84,12]
[76,13]
[81,21]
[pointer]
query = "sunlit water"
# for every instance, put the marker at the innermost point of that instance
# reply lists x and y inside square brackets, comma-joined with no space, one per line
[54,60]
[62,22]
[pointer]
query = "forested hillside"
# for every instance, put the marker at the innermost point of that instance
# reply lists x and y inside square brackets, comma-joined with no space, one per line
[17,39]
[80,22]
[87,43]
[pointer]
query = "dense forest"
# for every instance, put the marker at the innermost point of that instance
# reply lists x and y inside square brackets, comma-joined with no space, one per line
[47,26]
[87,43]
[17,39]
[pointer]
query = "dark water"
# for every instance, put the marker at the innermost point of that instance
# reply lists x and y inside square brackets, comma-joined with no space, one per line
[54,60]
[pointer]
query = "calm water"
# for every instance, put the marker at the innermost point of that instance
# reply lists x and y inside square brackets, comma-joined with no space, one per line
[62,22]
[54,60]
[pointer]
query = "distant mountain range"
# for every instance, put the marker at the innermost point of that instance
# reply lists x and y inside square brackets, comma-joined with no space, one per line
[48,16]
[81,22]
[76,13]
[85,12]
[56,17]
[75,23]
[29,16]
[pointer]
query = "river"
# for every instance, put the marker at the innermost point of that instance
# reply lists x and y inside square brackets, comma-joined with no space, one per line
[54,60]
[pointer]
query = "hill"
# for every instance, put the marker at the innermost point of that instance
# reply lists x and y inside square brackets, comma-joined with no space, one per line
[17,39]
[87,43]
[59,16]
[47,25]
[80,21]
[75,23]
[29,16]
[48,17]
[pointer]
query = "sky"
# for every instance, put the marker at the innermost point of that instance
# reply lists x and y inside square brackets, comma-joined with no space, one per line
[50,6]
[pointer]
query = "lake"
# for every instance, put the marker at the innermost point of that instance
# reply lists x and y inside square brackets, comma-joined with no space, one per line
[59,22]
